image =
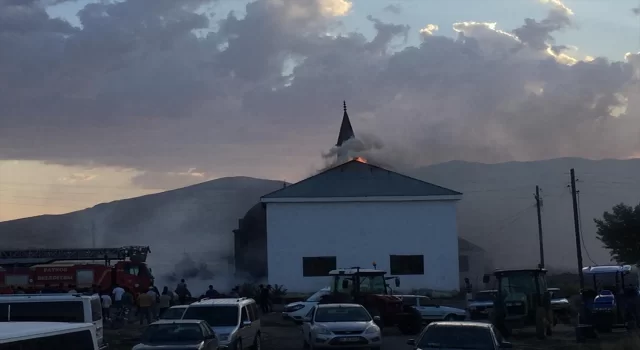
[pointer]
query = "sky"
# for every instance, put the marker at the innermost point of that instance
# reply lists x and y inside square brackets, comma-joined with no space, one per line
[104,100]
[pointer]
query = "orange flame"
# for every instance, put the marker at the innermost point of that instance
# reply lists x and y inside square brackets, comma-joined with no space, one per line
[360,159]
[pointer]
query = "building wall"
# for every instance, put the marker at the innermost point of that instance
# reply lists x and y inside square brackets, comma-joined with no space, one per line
[359,234]
[477,265]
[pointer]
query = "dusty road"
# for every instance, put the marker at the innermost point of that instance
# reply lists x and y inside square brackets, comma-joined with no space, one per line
[283,335]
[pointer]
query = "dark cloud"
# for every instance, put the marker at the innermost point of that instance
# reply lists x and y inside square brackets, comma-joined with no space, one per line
[396,9]
[135,87]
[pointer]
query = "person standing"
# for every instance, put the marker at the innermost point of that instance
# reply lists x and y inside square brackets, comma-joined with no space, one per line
[211,293]
[105,298]
[468,289]
[264,299]
[181,291]
[165,301]
[154,306]
[145,302]
[118,292]
[269,301]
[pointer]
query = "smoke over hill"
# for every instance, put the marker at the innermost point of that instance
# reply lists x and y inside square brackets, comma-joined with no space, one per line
[497,213]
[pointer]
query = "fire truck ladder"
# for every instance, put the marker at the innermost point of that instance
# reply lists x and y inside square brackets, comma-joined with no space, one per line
[30,257]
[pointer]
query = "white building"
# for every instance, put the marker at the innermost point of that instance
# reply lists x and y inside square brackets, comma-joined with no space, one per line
[356,214]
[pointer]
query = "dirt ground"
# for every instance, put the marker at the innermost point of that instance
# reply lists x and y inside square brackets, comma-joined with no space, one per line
[283,335]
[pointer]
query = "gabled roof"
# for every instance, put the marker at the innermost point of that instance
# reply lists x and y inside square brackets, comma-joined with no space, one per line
[356,179]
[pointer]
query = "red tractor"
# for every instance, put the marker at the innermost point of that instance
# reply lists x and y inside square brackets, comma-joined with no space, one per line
[369,288]
[32,270]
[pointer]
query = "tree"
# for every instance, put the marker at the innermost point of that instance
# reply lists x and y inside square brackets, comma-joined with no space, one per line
[619,231]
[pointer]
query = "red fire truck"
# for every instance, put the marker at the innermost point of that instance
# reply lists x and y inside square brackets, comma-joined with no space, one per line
[32,269]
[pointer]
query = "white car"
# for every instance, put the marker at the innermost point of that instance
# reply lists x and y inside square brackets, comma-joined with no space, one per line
[296,311]
[330,326]
[431,311]
[235,321]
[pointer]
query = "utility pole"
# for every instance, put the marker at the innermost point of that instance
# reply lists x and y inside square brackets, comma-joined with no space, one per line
[540,240]
[576,224]
[93,234]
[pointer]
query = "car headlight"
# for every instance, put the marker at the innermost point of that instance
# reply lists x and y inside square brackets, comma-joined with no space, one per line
[322,330]
[372,329]
[223,337]
[293,308]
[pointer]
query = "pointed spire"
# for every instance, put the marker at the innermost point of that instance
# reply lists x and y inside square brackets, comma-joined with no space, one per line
[346,131]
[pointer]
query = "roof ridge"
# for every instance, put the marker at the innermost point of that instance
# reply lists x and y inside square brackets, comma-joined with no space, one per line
[359,187]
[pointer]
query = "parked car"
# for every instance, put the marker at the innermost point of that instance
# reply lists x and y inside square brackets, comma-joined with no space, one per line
[178,334]
[430,311]
[480,306]
[460,335]
[560,306]
[296,311]
[174,313]
[55,307]
[341,325]
[48,335]
[235,321]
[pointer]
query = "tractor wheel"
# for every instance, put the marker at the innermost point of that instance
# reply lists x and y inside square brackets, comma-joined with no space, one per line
[541,326]
[497,320]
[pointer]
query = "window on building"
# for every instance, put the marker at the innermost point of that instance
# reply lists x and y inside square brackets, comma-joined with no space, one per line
[463,263]
[406,264]
[318,265]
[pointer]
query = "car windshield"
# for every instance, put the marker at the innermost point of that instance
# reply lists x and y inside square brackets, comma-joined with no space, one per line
[484,296]
[517,283]
[216,316]
[456,337]
[342,314]
[172,333]
[174,313]
[315,297]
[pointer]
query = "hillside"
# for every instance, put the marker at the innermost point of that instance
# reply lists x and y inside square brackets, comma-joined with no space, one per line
[496,213]
[198,219]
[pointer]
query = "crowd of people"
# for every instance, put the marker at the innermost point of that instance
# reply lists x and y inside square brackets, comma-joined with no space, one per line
[150,306]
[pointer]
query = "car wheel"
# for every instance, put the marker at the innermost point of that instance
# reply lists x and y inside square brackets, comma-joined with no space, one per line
[450,317]
[257,342]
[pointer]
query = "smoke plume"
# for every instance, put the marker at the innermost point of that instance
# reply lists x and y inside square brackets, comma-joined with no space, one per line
[369,147]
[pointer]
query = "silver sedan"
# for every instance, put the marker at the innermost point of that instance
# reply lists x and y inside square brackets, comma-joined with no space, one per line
[329,326]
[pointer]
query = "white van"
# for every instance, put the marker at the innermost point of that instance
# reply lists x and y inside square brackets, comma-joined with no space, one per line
[235,321]
[47,336]
[59,307]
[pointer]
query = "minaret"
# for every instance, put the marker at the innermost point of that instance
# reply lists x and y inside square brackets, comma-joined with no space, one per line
[346,133]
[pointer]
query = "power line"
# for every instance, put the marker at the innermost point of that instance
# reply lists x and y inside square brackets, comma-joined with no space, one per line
[580,227]
[514,217]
